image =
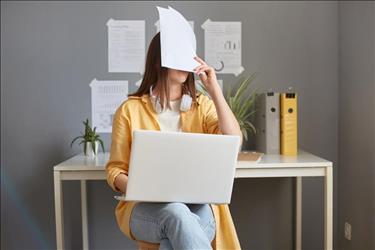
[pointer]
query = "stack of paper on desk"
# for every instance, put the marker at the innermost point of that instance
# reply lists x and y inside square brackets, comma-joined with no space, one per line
[252,156]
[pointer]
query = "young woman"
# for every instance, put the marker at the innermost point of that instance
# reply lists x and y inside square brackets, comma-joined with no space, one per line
[174,225]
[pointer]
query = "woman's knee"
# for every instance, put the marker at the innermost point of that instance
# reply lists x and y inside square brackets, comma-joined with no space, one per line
[176,212]
[176,209]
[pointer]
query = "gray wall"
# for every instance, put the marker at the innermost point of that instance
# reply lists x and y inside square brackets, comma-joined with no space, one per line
[51,51]
[357,124]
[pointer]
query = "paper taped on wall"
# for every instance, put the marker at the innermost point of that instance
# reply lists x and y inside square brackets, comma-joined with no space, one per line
[106,97]
[222,46]
[126,46]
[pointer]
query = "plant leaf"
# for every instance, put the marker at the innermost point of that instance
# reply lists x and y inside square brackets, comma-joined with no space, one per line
[244,85]
[251,126]
[102,144]
[248,105]
[71,144]
[241,102]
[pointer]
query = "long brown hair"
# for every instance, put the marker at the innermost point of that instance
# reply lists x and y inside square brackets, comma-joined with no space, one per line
[155,73]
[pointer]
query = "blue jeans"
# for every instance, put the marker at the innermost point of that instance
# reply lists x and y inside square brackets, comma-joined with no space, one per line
[174,225]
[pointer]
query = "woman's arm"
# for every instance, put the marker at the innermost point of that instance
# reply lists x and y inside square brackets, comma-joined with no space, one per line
[118,164]
[121,182]
[227,121]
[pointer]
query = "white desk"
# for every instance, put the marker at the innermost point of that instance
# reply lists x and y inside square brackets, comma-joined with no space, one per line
[82,168]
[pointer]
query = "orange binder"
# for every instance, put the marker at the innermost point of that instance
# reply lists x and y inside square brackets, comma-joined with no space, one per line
[288,124]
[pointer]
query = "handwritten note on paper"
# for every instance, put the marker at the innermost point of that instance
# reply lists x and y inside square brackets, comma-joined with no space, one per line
[106,97]
[223,46]
[126,46]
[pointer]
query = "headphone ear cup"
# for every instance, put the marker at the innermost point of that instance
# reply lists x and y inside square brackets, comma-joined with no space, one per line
[155,102]
[185,102]
[156,105]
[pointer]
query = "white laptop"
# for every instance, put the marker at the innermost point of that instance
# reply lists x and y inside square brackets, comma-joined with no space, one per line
[181,167]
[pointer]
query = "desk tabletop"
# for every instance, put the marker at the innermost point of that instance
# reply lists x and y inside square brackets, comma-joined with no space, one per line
[303,159]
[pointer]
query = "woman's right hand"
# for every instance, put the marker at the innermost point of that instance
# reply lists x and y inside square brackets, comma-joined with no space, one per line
[121,182]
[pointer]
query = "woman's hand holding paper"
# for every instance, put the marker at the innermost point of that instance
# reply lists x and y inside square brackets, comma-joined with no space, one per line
[207,75]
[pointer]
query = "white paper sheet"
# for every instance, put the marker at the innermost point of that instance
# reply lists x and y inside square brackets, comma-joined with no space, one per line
[177,41]
[106,97]
[126,46]
[223,46]
[157,25]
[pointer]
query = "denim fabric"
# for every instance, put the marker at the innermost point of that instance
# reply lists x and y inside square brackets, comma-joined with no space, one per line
[174,225]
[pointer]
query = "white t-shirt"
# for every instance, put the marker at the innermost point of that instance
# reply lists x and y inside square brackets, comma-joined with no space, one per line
[169,120]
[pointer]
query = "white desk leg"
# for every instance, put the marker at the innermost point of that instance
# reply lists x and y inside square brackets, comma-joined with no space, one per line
[59,216]
[85,233]
[298,215]
[328,209]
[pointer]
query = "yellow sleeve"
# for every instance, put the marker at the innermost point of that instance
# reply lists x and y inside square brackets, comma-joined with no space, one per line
[120,147]
[211,121]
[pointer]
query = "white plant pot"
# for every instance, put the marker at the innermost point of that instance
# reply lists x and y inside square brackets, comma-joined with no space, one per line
[89,150]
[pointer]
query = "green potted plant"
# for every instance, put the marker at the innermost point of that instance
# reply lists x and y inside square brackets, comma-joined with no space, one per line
[240,102]
[89,140]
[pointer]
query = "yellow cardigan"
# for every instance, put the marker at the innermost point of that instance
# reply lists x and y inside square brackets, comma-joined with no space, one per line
[137,113]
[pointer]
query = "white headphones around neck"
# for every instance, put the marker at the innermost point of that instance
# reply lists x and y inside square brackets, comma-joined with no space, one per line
[184,106]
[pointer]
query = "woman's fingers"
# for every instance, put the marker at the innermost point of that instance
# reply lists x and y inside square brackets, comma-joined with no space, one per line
[205,68]
[200,60]
[203,77]
[201,69]
[209,71]
[197,69]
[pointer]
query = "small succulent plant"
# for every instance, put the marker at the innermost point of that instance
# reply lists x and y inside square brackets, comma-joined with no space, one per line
[90,136]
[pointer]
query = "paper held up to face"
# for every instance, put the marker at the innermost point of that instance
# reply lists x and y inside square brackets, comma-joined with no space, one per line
[177,41]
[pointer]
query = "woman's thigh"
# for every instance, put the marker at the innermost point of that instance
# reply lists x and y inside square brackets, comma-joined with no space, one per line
[205,217]
[146,220]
